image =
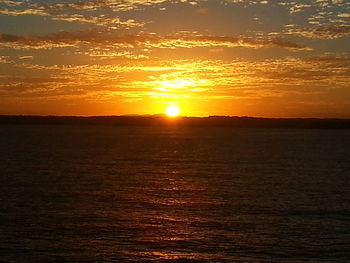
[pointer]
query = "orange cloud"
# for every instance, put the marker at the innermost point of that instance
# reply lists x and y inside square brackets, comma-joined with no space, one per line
[324,32]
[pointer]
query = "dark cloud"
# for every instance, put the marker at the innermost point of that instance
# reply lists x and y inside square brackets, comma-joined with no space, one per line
[144,40]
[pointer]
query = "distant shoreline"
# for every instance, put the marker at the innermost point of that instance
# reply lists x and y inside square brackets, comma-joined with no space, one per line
[160,120]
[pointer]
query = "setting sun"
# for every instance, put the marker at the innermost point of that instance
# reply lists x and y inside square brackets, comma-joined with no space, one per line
[172,111]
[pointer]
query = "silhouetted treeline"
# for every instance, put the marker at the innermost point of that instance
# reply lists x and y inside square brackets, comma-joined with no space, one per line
[159,120]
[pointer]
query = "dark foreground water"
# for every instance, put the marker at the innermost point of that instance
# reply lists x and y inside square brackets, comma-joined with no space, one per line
[138,194]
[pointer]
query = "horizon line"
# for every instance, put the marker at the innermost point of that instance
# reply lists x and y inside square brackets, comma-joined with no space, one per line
[177,117]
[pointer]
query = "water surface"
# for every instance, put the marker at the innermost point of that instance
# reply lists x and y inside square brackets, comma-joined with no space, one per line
[152,194]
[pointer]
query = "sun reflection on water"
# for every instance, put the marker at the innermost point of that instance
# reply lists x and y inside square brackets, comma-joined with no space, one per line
[169,213]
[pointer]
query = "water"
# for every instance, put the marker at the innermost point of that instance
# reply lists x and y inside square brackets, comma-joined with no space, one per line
[143,194]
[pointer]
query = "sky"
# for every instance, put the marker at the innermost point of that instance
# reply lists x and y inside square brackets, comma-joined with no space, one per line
[263,58]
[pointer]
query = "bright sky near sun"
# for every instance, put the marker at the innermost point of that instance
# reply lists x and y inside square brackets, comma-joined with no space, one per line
[271,58]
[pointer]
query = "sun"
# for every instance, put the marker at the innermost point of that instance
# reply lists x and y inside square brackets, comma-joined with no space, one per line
[172,111]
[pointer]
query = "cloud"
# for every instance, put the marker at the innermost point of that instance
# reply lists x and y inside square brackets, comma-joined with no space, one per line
[11,3]
[25,57]
[346,15]
[196,79]
[298,8]
[66,39]
[19,12]
[325,32]
[4,59]
[89,5]
[115,5]
[99,20]
[322,14]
